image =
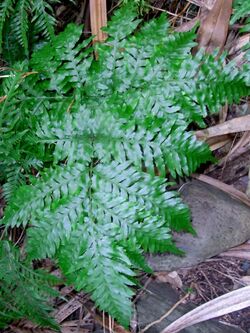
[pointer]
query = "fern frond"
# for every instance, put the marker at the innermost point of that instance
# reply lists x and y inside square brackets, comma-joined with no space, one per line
[241,10]
[19,151]
[6,8]
[21,22]
[101,268]
[68,59]
[43,17]
[228,88]
[14,178]
[19,14]
[118,28]
[24,292]
[16,170]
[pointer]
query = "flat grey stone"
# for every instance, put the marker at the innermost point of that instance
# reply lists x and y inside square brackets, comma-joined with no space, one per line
[158,299]
[220,221]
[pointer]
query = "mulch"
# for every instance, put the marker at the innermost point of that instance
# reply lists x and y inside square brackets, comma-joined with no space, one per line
[214,278]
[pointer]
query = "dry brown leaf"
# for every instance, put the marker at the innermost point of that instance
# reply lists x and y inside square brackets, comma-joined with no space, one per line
[98,19]
[213,30]
[230,302]
[15,329]
[223,113]
[240,124]
[219,144]
[26,326]
[3,98]
[57,273]
[240,148]
[218,141]
[74,330]
[77,326]
[203,3]
[236,50]
[242,251]
[230,157]
[236,254]
[187,26]
[244,140]
[67,309]
[233,192]
[245,247]
[239,43]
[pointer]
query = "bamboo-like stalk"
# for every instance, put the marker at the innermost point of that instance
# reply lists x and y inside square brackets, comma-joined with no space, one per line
[98,19]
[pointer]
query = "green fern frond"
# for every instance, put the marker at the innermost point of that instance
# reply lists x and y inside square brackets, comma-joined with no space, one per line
[217,84]
[108,126]
[24,292]
[101,268]
[14,178]
[17,170]
[43,18]
[19,151]
[68,59]
[118,28]
[21,22]
[6,8]
[142,5]
[241,9]
[26,17]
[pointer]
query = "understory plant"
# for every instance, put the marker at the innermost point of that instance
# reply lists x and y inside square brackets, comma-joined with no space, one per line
[24,292]
[241,10]
[24,23]
[108,129]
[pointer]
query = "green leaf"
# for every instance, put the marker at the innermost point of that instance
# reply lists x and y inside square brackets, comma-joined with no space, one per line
[24,291]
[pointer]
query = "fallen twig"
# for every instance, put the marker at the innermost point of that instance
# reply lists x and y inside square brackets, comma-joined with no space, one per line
[240,124]
[166,314]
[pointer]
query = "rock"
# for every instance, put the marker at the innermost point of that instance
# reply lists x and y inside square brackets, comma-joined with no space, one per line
[158,299]
[220,221]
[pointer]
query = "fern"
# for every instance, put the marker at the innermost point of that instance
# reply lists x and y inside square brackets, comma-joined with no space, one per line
[142,5]
[25,16]
[24,291]
[21,22]
[5,11]
[19,153]
[241,10]
[107,126]
[43,18]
